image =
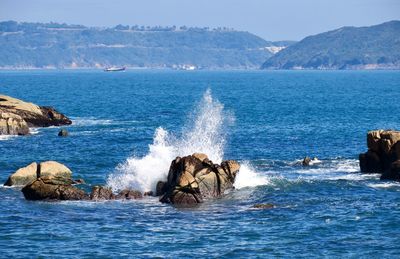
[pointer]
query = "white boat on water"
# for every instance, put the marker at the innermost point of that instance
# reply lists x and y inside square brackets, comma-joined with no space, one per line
[114,69]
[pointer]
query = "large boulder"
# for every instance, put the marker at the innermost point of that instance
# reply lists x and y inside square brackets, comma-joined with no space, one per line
[16,115]
[383,154]
[47,188]
[31,172]
[192,179]
[12,124]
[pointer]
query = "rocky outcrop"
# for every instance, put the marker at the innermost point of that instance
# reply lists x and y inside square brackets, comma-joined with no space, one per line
[16,116]
[383,155]
[192,179]
[51,180]
[50,188]
[12,124]
[29,173]
[101,193]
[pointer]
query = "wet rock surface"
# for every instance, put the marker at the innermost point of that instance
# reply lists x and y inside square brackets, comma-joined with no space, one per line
[53,189]
[194,178]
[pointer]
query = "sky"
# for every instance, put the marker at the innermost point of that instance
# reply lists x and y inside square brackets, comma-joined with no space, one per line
[272,20]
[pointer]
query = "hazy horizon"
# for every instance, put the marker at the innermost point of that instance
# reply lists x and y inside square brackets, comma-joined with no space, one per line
[283,20]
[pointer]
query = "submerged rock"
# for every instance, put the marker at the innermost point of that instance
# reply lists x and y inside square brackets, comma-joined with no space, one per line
[16,116]
[192,179]
[307,161]
[63,133]
[53,189]
[31,172]
[263,206]
[383,155]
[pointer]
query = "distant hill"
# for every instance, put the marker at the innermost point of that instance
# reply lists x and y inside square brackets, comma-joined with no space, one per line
[374,47]
[53,45]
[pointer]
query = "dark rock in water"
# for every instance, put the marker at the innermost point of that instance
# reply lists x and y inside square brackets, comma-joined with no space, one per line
[129,195]
[263,206]
[79,181]
[393,173]
[101,193]
[192,179]
[161,188]
[53,189]
[383,154]
[16,116]
[370,162]
[306,161]
[149,193]
[63,133]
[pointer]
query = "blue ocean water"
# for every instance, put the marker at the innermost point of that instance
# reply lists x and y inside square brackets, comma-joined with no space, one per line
[126,127]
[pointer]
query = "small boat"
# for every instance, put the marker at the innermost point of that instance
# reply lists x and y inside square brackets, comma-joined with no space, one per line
[114,69]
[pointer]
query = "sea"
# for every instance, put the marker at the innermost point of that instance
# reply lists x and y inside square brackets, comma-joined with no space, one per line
[129,126]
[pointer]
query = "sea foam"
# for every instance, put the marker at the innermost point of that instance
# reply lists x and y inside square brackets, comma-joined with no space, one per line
[205,132]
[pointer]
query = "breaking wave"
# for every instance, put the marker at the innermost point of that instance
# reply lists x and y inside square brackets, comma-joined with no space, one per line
[205,133]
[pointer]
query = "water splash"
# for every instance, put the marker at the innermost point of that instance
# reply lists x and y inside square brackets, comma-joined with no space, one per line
[204,133]
[249,177]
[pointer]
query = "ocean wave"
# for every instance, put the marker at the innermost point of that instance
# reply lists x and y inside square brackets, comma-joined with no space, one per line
[204,133]
[93,121]
[7,137]
[385,185]
[249,177]
[90,121]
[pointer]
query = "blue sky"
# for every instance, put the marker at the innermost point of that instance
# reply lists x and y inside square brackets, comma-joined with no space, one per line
[272,20]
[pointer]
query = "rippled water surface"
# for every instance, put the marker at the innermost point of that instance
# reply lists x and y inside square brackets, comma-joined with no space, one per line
[127,126]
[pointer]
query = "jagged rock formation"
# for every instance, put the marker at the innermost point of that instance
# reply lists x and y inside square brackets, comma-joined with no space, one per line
[16,116]
[192,179]
[383,155]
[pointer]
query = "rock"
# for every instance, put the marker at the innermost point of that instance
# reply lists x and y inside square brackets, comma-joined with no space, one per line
[16,116]
[383,154]
[129,194]
[63,133]
[33,171]
[263,206]
[149,193]
[101,193]
[393,173]
[23,176]
[306,161]
[370,162]
[12,124]
[54,169]
[53,189]
[161,188]
[79,181]
[192,179]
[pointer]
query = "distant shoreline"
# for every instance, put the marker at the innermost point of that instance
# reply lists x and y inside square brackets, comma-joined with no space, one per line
[203,69]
